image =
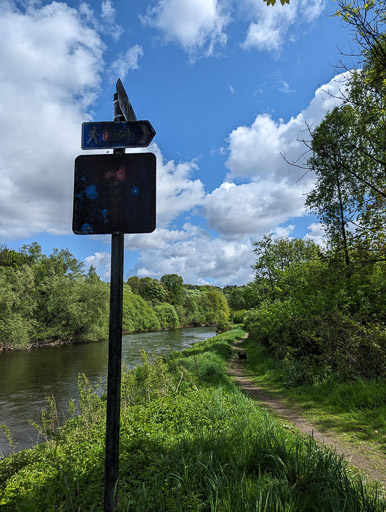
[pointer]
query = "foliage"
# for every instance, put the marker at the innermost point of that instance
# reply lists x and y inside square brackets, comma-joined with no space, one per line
[137,315]
[152,290]
[51,298]
[190,440]
[237,317]
[167,316]
[356,408]
[273,2]
[312,318]
[322,311]
[348,147]
[12,258]
[17,305]
[173,284]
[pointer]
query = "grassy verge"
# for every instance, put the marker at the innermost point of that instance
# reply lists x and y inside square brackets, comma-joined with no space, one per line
[190,441]
[356,410]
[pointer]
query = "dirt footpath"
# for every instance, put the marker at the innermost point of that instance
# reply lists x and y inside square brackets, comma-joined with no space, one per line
[373,465]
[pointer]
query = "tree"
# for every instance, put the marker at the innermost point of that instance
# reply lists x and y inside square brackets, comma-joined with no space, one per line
[349,146]
[152,290]
[236,298]
[92,273]
[134,283]
[274,257]
[12,258]
[174,286]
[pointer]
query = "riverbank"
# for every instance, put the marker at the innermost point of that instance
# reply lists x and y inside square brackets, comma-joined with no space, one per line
[190,440]
[74,341]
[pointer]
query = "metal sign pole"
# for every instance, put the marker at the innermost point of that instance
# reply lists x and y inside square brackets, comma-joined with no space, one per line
[114,358]
[115,194]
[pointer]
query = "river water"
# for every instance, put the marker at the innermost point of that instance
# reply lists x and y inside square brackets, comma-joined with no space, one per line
[28,377]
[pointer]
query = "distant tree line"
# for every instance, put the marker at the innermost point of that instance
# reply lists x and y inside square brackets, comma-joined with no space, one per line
[53,299]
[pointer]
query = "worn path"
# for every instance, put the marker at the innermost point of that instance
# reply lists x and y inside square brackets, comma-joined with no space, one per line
[374,466]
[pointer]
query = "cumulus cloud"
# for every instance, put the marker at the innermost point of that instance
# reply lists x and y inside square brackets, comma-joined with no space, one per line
[196,25]
[161,237]
[269,27]
[177,191]
[101,261]
[50,67]
[201,259]
[316,233]
[50,70]
[254,151]
[237,211]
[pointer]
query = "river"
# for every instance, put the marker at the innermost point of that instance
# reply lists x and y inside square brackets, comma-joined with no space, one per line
[28,377]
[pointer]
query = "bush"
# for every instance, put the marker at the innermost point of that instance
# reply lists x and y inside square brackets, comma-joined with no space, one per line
[166,315]
[237,317]
[320,344]
[138,315]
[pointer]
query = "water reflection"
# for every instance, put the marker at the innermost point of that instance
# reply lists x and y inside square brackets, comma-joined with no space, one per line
[28,377]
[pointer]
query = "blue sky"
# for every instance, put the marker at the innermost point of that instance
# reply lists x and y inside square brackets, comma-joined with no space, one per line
[228,86]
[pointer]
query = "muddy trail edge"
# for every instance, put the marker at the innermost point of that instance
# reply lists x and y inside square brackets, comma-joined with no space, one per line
[372,465]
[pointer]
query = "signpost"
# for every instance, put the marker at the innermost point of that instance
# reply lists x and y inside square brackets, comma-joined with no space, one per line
[106,135]
[115,194]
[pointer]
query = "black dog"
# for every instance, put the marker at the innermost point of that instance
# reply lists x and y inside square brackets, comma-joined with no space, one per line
[242,356]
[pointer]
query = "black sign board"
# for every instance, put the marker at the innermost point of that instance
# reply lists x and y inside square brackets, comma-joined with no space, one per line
[106,135]
[114,194]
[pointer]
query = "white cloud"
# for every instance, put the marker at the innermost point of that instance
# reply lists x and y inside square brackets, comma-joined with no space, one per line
[197,25]
[312,9]
[127,62]
[177,192]
[269,27]
[201,259]
[109,25]
[161,237]
[283,232]
[237,211]
[316,233]
[254,151]
[101,261]
[50,65]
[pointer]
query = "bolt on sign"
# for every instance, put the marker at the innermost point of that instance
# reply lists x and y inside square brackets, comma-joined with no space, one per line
[114,194]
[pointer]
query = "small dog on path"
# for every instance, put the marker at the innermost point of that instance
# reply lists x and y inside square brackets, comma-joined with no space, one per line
[242,356]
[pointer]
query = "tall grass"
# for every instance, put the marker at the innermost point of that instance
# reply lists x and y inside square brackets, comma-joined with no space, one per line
[190,441]
[356,408]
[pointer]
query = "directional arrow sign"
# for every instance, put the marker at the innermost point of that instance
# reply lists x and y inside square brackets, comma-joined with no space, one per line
[124,103]
[106,135]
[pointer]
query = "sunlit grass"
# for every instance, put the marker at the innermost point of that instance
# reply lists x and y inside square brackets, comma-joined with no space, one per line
[355,409]
[190,441]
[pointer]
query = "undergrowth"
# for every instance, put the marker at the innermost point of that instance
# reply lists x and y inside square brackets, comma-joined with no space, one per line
[190,441]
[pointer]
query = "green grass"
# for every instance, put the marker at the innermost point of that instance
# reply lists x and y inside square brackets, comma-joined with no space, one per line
[356,410]
[190,441]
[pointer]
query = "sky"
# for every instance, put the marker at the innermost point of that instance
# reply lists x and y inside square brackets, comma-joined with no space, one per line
[230,86]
